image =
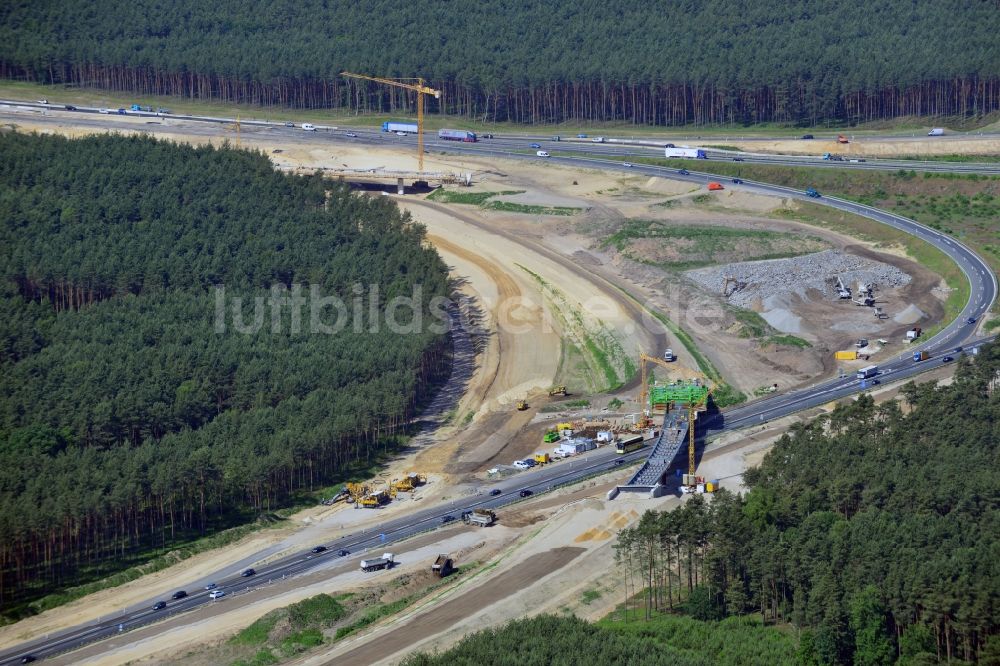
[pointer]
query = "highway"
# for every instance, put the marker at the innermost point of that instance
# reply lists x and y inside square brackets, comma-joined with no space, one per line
[625,148]
[379,537]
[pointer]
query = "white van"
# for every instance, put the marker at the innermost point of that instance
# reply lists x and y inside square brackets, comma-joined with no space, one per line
[937,131]
[542,153]
[308,127]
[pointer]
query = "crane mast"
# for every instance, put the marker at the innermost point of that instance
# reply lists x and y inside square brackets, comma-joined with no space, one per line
[418,88]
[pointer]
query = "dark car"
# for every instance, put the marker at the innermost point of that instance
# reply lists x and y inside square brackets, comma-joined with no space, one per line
[289,124]
[248,572]
[684,172]
[958,350]
[211,586]
[669,145]
[536,145]
[737,159]
[70,107]
[526,493]
[947,359]
[343,552]
[319,549]
[159,605]
[28,658]
[970,320]
[737,181]
[179,594]
[807,136]
[618,462]
[486,136]
[121,112]
[447,519]
[495,492]
[353,135]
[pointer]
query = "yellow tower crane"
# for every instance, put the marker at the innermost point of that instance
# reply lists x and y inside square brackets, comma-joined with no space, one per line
[417,87]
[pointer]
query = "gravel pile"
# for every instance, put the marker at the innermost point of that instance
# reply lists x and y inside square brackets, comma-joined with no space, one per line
[776,277]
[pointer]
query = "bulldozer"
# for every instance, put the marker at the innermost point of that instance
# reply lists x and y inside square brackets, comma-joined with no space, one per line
[522,405]
[557,390]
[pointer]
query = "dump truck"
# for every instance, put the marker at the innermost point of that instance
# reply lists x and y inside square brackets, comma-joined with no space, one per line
[851,355]
[713,186]
[375,500]
[920,356]
[443,565]
[480,517]
[375,564]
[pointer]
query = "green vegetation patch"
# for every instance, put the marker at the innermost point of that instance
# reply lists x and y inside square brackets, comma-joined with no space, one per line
[471,198]
[685,246]
[663,641]
[532,209]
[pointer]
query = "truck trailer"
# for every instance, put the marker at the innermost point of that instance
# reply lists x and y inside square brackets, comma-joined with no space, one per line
[920,356]
[851,355]
[457,135]
[375,564]
[407,128]
[692,153]
[867,373]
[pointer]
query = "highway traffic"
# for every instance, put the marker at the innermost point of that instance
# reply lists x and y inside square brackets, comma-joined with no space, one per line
[958,333]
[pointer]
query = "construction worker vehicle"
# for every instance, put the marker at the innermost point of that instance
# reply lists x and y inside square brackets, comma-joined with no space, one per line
[542,458]
[375,564]
[443,566]
[480,517]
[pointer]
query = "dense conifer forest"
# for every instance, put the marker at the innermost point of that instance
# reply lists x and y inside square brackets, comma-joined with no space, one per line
[648,63]
[129,420]
[871,536]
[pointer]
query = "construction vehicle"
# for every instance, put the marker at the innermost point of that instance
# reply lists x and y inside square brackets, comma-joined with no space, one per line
[443,565]
[480,517]
[737,285]
[557,390]
[714,186]
[375,499]
[565,425]
[550,436]
[375,564]
[842,139]
[668,355]
[843,291]
[408,482]
[542,458]
[522,405]
[851,355]
[866,295]
[418,88]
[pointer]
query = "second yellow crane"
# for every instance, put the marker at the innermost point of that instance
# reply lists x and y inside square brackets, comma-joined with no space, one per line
[417,87]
